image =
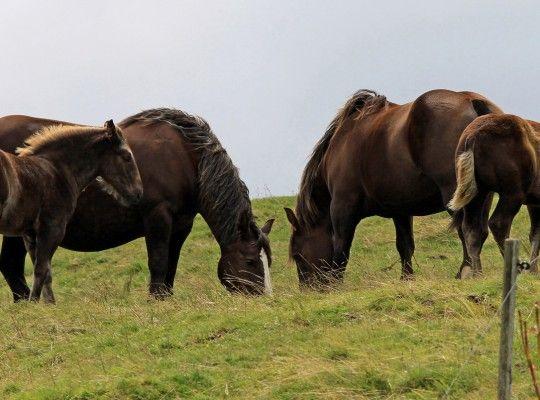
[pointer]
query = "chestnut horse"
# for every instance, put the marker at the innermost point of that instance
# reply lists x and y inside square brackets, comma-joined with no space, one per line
[378,158]
[40,187]
[185,171]
[497,153]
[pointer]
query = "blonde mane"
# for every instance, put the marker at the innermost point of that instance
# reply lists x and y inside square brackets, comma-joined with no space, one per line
[53,134]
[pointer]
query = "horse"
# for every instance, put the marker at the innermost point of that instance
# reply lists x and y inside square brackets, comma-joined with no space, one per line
[185,171]
[39,187]
[497,153]
[378,158]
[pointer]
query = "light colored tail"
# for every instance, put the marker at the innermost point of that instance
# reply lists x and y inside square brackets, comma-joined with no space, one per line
[466,183]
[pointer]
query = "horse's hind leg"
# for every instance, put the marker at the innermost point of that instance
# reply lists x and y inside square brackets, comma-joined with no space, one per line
[157,226]
[466,261]
[501,220]
[405,244]
[12,267]
[534,236]
[48,294]
[475,232]
[458,223]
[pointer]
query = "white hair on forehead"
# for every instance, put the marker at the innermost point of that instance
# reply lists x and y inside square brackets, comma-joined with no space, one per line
[267,281]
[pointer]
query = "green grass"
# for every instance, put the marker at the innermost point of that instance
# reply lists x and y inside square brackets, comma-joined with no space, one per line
[375,338]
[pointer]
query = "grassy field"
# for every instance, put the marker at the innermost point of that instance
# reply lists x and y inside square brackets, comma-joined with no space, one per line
[375,338]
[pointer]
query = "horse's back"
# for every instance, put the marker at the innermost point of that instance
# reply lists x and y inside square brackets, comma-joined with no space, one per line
[372,159]
[15,129]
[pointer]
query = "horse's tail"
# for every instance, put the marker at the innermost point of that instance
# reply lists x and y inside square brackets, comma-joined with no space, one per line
[465,167]
[313,198]
[466,188]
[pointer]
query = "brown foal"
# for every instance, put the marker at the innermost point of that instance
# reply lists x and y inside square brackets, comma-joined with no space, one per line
[39,187]
[497,153]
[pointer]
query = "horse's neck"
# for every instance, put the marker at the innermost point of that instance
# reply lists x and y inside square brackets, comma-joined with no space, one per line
[78,168]
[324,222]
[216,227]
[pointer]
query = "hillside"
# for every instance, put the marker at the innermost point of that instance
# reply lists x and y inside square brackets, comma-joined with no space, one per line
[376,337]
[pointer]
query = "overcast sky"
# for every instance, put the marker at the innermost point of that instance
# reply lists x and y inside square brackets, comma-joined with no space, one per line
[267,75]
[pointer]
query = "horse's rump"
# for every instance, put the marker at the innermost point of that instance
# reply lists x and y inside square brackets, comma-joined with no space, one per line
[496,153]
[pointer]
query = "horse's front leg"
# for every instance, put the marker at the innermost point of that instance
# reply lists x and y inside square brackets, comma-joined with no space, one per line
[158,226]
[534,236]
[345,215]
[46,242]
[175,245]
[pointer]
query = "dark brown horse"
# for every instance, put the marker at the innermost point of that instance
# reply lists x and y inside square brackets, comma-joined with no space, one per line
[185,171]
[378,158]
[40,187]
[497,153]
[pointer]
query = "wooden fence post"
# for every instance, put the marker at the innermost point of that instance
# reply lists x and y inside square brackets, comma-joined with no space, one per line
[508,309]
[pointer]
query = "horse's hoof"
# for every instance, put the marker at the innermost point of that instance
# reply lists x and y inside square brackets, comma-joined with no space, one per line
[407,277]
[160,296]
[465,273]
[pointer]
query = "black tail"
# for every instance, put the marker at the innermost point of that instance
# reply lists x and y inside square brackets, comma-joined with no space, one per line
[481,107]
[457,218]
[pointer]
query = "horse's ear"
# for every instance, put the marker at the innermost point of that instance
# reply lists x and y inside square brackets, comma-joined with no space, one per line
[111,128]
[267,227]
[292,218]
[112,132]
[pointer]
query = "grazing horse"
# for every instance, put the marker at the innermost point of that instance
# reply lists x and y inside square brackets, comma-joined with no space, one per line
[185,171]
[497,153]
[40,187]
[378,158]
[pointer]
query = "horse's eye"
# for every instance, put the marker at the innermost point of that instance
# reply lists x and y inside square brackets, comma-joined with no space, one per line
[126,157]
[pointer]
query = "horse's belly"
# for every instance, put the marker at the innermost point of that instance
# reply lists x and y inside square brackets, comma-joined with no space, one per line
[405,196]
[78,239]
[101,226]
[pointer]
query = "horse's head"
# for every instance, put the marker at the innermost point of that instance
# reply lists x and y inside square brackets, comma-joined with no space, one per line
[118,172]
[312,250]
[244,264]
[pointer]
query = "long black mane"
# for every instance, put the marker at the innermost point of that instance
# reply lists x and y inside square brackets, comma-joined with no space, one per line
[361,104]
[223,196]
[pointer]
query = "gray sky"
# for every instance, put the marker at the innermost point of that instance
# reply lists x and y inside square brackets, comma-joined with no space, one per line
[267,75]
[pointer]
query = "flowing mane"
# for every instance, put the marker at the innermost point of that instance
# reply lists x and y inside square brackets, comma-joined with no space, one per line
[222,195]
[364,102]
[55,135]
